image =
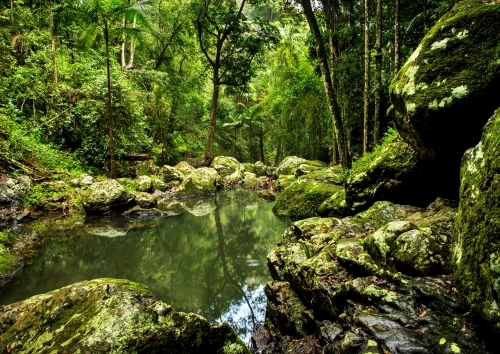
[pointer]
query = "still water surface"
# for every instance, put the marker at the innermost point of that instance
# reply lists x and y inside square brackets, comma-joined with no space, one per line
[210,259]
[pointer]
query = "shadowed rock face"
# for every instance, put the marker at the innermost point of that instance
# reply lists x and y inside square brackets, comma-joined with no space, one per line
[449,87]
[476,238]
[109,316]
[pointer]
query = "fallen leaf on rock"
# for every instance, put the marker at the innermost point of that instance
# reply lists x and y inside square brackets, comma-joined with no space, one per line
[464,329]
[422,315]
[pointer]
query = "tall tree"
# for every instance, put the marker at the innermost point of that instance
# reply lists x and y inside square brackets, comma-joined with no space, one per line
[230,42]
[378,75]
[366,92]
[103,17]
[329,84]
[397,44]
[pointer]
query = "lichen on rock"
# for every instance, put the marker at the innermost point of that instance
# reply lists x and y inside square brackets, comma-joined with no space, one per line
[476,242]
[109,316]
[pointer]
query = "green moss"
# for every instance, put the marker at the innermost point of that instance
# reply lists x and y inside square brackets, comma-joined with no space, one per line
[302,198]
[7,261]
[475,245]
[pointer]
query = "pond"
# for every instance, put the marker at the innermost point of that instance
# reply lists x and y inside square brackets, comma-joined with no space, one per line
[209,259]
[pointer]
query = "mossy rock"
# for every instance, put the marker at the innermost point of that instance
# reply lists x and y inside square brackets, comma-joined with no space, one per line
[284,181]
[335,205]
[146,168]
[169,174]
[144,183]
[302,198]
[184,167]
[449,87]
[203,180]
[290,164]
[225,165]
[395,172]
[109,316]
[476,238]
[106,195]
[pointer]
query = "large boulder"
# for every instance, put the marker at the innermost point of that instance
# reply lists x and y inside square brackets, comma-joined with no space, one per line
[303,197]
[12,192]
[184,167]
[225,165]
[476,239]
[203,180]
[109,316]
[449,87]
[106,195]
[396,172]
[170,174]
[290,164]
[146,168]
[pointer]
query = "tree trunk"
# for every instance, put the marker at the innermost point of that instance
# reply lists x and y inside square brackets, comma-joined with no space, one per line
[396,37]
[261,144]
[330,91]
[110,109]
[366,93]
[53,43]
[378,76]
[213,115]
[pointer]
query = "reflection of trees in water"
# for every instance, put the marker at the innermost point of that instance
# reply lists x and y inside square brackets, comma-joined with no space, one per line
[212,264]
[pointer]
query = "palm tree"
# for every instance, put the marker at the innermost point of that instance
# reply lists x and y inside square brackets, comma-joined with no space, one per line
[104,17]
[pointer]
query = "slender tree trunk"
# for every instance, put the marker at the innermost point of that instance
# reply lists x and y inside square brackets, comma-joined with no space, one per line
[396,37]
[378,76]
[261,144]
[53,43]
[110,109]
[335,151]
[209,154]
[126,66]
[330,91]
[366,92]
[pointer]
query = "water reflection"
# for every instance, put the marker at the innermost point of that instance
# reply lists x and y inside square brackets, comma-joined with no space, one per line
[209,263]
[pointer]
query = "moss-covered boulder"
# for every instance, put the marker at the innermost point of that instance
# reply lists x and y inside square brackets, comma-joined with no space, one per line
[106,195]
[13,190]
[146,168]
[203,180]
[476,239]
[284,181]
[170,174]
[184,167]
[290,164]
[395,172]
[260,169]
[335,205]
[144,200]
[449,87]
[303,197]
[408,248]
[109,316]
[143,183]
[225,165]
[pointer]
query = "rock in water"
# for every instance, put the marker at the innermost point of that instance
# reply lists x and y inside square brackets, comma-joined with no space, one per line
[225,165]
[449,87]
[109,316]
[106,195]
[201,181]
[476,239]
